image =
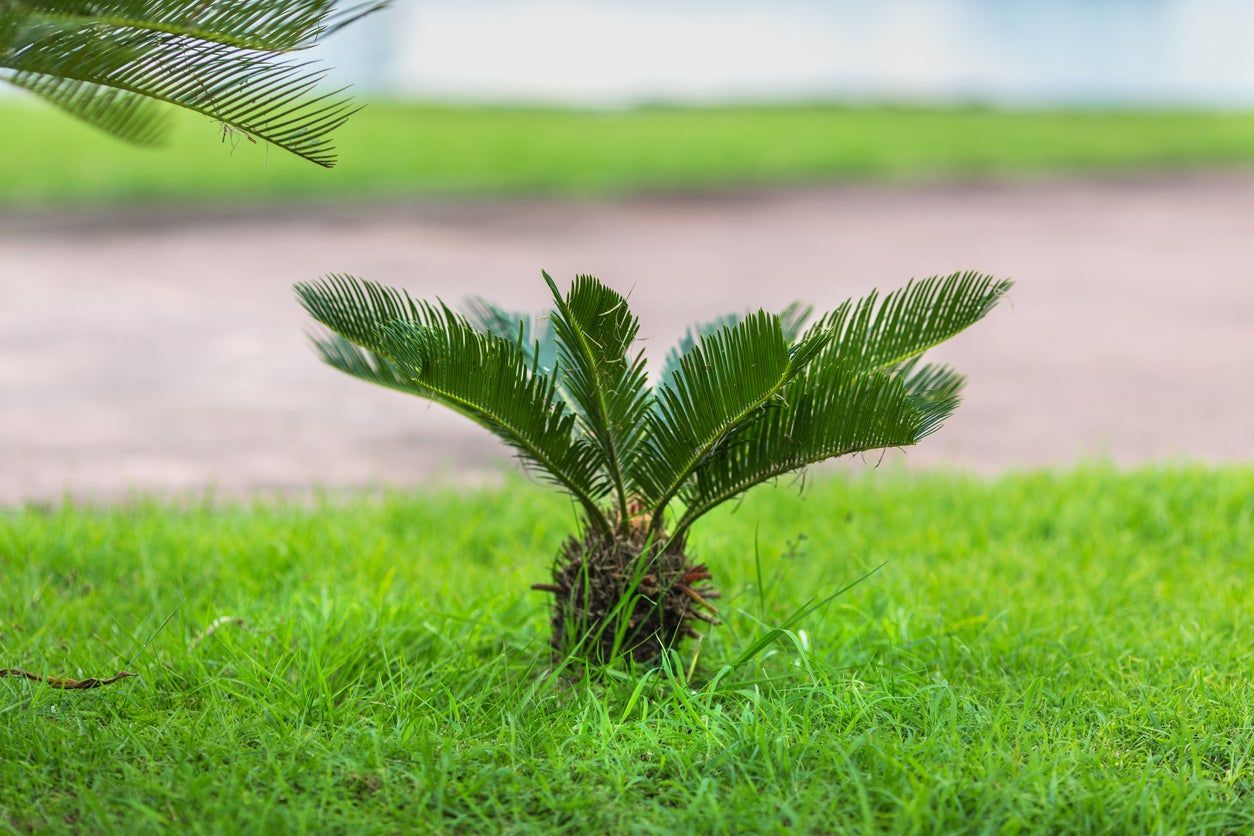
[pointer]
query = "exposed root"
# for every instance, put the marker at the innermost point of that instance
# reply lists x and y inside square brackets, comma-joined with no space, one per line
[696,596]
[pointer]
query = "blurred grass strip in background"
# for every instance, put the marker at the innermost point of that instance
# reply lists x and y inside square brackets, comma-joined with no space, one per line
[397,151]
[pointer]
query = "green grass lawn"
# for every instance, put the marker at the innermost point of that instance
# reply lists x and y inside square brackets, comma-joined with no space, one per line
[398,151]
[1069,652]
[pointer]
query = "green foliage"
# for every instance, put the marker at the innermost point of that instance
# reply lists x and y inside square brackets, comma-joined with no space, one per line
[742,401]
[113,63]
[725,382]
[594,330]
[1041,653]
[383,336]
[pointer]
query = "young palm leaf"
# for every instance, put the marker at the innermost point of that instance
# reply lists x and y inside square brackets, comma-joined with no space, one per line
[594,331]
[116,63]
[742,401]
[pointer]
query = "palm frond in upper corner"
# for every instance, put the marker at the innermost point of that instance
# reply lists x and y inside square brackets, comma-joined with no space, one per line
[260,24]
[101,59]
[127,116]
[876,333]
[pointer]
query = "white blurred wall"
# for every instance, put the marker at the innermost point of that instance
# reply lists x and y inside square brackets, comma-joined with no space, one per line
[611,52]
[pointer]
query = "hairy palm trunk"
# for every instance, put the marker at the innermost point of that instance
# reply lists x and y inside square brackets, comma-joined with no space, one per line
[621,595]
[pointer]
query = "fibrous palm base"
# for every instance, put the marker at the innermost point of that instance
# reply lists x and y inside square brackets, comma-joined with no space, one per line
[665,598]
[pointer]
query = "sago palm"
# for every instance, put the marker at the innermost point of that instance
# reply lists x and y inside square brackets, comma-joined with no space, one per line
[738,403]
[118,63]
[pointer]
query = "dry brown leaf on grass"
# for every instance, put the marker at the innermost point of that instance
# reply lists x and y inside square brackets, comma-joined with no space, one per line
[66,684]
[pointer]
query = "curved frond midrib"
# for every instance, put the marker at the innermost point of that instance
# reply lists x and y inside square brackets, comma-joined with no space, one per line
[691,465]
[795,359]
[786,465]
[493,421]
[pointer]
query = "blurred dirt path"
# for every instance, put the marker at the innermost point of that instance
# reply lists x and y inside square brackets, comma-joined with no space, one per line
[165,353]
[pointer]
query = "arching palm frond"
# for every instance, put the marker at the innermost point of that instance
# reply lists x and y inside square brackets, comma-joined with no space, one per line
[791,320]
[127,116]
[930,382]
[865,389]
[363,364]
[720,383]
[432,352]
[872,333]
[595,330]
[113,63]
[827,413]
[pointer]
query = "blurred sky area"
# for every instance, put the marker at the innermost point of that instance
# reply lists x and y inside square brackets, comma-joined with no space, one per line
[618,52]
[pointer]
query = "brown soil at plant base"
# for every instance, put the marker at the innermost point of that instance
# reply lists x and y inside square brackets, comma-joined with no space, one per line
[154,351]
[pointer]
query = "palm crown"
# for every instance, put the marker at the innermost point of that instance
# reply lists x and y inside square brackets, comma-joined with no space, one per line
[738,403]
[114,63]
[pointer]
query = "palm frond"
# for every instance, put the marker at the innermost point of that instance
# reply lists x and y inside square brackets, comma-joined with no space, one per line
[361,363]
[595,330]
[873,333]
[866,389]
[219,58]
[259,24]
[126,115]
[727,376]
[339,18]
[441,356]
[930,382]
[825,413]
[359,310]
[791,320]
